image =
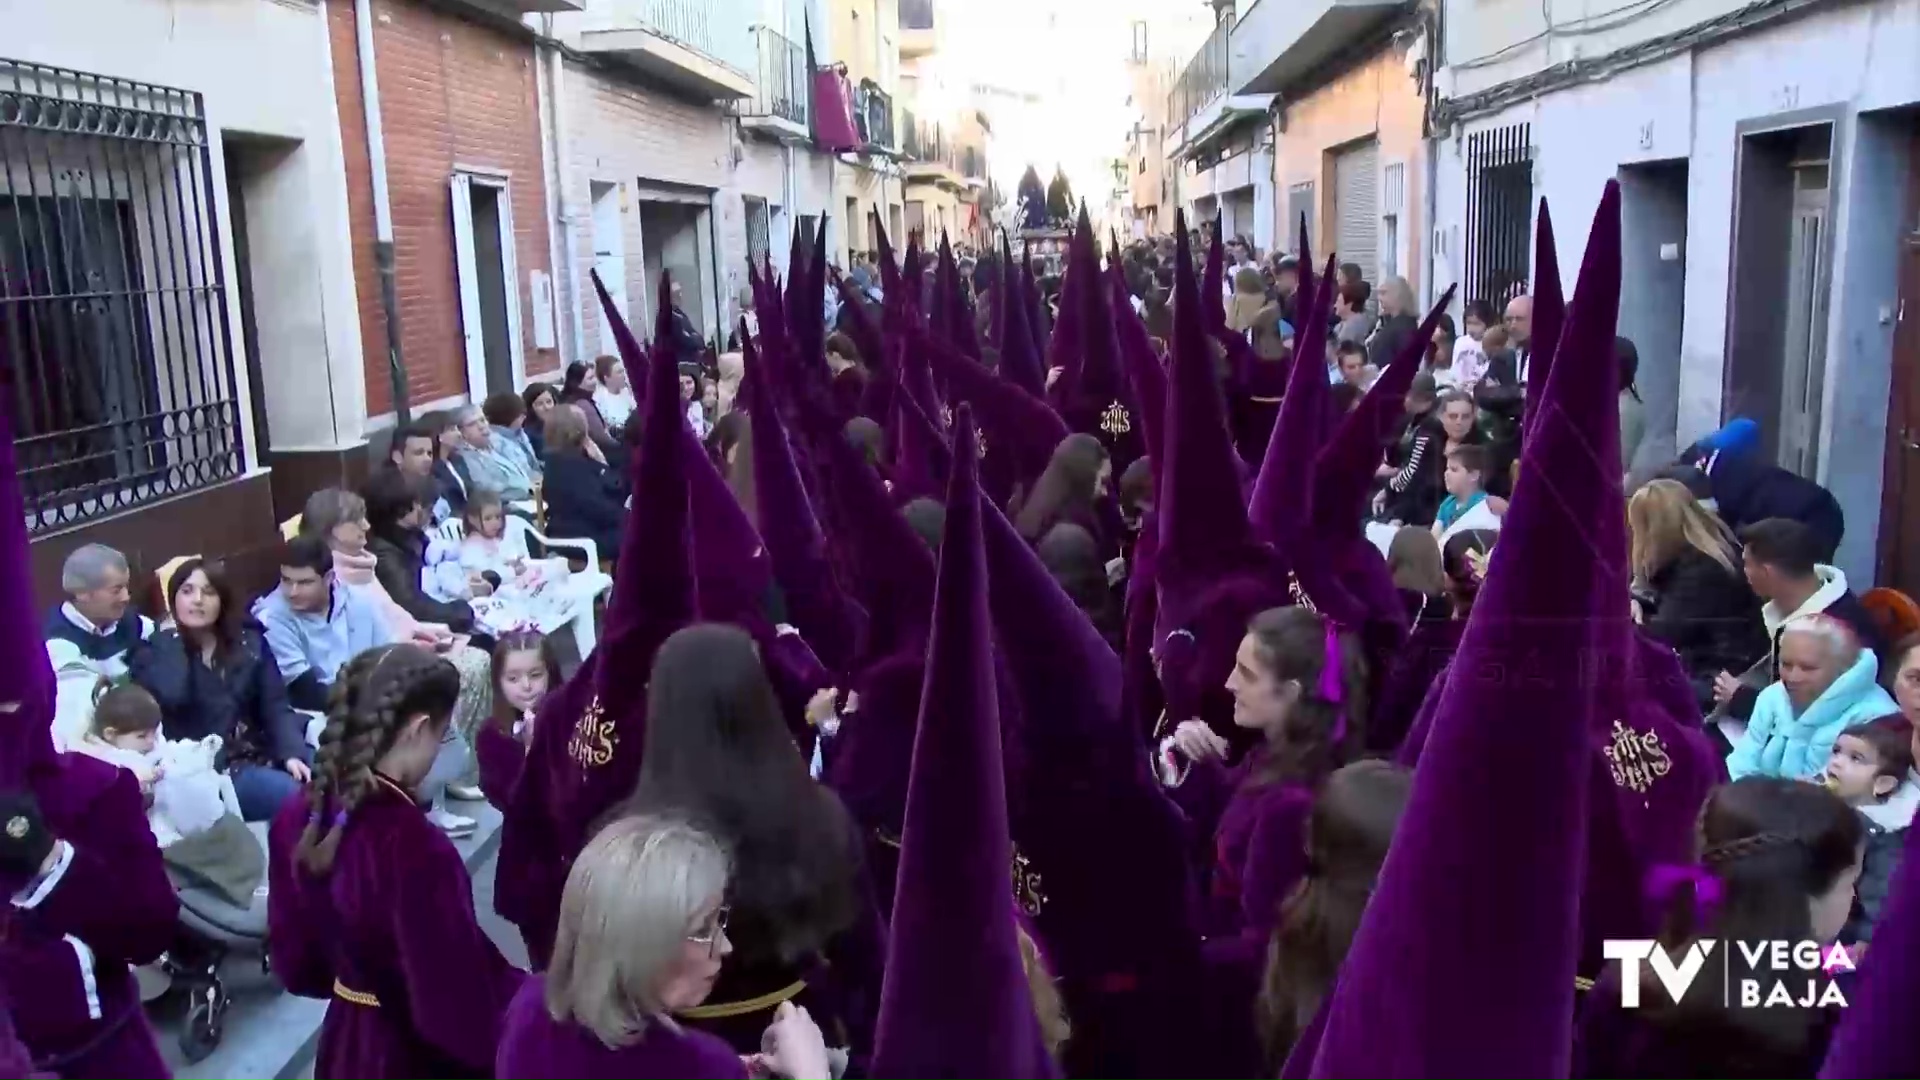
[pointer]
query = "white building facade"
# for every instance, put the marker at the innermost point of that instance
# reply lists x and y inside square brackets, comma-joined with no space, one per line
[1766,155]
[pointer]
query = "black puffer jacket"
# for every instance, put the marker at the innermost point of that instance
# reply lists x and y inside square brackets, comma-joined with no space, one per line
[403,557]
[240,698]
[1709,616]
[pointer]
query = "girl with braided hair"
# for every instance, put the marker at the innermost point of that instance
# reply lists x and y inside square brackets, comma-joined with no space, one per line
[370,906]
[1778,862]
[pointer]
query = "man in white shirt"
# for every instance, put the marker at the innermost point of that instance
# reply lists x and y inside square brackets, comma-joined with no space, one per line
[88,637]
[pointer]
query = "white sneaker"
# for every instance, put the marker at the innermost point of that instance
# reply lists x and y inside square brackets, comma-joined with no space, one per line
[452,824]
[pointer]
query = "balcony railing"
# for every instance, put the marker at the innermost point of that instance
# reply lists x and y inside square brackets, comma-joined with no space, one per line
[1205,79]
[873,117]
[704,26]
[780,81]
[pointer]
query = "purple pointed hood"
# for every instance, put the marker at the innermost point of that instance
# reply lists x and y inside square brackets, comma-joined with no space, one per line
[1549,312]
[796,544]
[890,279]
[1020,345]
[1213,285]
[1282,493]
[1096,396]
[1445,981]
[1010,418]
[955,1000]
[1145,372]
[1875,1036]
[26,675]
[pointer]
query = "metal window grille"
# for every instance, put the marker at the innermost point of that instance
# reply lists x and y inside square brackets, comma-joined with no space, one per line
[1499,213]
[759,230]
[113,314]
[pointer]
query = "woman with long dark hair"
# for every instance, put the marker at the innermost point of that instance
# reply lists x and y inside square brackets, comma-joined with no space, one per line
[540,400]
[1077,476]
[1778,862]
[214,675]
[1348,834]
[718,751]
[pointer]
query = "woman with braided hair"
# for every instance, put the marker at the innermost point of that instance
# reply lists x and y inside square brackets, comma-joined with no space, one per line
[1778,862]
[370,906]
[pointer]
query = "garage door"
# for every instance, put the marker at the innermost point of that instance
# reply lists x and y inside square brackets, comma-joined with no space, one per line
[1356,186]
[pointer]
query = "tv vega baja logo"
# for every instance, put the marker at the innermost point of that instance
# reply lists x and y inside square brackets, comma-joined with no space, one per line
[1773,974]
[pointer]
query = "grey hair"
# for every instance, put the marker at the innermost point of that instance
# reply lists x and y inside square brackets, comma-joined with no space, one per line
[329,507]
[466,414]
[1842,643]
[630,901]
[88,566]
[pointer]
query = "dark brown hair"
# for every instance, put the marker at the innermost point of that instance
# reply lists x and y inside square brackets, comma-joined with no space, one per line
[519,641]
[1348,834]
[1474,458]
[1292,643]
[126,709]
[226,625]
[1068,483]
[371,701]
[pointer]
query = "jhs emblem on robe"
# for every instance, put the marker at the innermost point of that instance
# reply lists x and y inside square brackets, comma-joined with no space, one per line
[593,738]
[1636,758]
[1115,421]
[1027,889]
[946,416]
[1299,595]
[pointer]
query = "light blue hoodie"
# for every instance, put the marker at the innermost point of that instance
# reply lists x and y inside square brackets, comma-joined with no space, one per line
[1778,743]
[321,642]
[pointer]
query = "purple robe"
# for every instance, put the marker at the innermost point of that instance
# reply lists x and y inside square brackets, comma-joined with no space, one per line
[1614,1041]
[67,946]
[414,985]
[535,1046]
[1410,674]
[500,757]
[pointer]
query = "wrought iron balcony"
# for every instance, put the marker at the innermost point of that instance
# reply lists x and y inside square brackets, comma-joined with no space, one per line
[873,117]
[781,87]
[1205,79]
[696,45]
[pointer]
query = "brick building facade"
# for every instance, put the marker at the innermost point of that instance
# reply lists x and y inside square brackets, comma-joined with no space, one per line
[456,95]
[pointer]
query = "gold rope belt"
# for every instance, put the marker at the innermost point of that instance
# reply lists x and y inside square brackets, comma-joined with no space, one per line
[723,1009]
[354,997]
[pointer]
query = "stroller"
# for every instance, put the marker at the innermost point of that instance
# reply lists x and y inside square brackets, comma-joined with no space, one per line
[212,928]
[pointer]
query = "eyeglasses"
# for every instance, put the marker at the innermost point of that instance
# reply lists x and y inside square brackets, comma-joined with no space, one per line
[715,929]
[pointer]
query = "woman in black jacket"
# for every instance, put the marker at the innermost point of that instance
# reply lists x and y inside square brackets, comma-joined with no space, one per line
[396,511]
[1689,587]
[584,499]
[214,675]
[1413,494]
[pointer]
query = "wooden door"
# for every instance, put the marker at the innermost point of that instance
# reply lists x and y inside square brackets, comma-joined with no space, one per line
[1899,562]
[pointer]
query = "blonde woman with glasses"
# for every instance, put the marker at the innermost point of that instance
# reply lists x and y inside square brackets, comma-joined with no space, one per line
[642,935]
[1689,585]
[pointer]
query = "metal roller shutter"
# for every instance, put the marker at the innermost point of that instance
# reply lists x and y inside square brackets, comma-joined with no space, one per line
[1356,186]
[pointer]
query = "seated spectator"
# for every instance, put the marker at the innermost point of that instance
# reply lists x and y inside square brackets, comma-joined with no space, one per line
[452,479]
[313,624]
[498,459]
[1350,314]
[1352,358]
[1871,769]
[1781,561]
[1412,495]
[585,500]
[1398,320]
[214,675]
[578,391]
[1827,685]
[539,398]
[414,453]
[90,636]
[1690,587]
[614,396]
[1465,507]
[694,398]
[395,513]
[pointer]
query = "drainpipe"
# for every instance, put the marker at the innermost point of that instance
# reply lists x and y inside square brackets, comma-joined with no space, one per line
[382,209]
[570,243]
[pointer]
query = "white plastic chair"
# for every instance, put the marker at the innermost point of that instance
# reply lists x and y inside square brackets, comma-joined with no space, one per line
[454,530]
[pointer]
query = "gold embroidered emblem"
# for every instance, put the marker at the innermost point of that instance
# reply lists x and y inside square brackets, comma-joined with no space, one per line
[1637,758]
[979,443]
[946,416]
[1298,594]
[1028,892]
[17,827]
[1115,420]
[593,739]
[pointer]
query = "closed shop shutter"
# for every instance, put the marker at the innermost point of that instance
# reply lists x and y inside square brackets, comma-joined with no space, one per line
[1356,186]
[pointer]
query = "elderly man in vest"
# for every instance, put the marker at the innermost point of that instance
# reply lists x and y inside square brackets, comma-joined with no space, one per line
[89,636]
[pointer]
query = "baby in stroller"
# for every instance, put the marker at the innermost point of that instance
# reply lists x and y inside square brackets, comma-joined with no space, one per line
[216,861]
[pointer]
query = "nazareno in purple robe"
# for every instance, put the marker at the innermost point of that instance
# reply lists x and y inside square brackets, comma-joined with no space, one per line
[67,944]
[500,757]
[535,1046]
[414,986]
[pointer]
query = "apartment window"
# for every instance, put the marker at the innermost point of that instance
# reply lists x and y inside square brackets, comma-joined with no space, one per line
[1140,41]
[112,303]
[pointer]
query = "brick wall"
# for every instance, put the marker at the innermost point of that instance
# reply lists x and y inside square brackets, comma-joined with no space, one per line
[451,91]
